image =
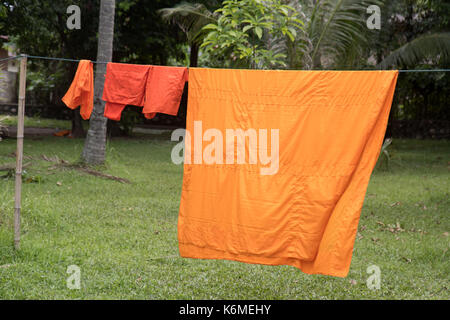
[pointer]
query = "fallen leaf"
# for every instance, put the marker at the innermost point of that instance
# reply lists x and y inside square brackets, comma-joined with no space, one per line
[445,234]
[408,260]
[59,183]
[353,282]
[398,228]
[396,204]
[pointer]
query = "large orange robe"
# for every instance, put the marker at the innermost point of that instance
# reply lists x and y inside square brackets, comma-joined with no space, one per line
[331,127]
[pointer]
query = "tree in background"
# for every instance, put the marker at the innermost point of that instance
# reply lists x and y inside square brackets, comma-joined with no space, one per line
[416,35]
[191,18]
[39,28]
[251,33]
[304,34]
[141,35]
[95,144]
[412,31]
[334,36]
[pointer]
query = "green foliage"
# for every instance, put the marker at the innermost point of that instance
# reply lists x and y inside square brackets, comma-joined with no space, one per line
[415,35]
[243,30]
[335,34]
[39,28]
[431,46]
[247,34]
[141,35]
[3,12]
[190,18]
[41,84]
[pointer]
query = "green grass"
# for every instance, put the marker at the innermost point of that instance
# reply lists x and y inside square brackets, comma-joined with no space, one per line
[124,236]
[36,122]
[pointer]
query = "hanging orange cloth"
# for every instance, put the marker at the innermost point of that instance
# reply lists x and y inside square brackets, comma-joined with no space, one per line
[305,212]
[81,91]
[125,84]
[164,90]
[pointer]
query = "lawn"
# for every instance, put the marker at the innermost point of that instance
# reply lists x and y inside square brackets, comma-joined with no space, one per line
[124,236]
[36,122]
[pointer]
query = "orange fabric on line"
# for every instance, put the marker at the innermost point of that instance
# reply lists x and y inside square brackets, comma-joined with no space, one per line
[125,84]
[113,111]
[331,127]
[81,91]
[164,90]
[62,133]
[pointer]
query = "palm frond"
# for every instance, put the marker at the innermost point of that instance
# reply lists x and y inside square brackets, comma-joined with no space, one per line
[339,25]
[190,18]
[436,45]
[299,51]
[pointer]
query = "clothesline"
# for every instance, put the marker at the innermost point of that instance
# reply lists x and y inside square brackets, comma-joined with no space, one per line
[102,62]
[48,58]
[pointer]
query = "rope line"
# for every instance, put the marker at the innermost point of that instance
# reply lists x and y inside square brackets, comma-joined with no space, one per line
[102,62]
[10,58]
[63,59]
[425,70]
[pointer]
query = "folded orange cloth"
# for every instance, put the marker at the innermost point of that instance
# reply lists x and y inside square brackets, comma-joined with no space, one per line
[164,90]
[305,214]
[81,91]
[125,84]
[62,133]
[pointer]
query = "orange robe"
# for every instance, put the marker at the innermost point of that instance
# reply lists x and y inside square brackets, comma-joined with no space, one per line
[331,127]
[164,90]
[81,91]
[158,89]
[125,84]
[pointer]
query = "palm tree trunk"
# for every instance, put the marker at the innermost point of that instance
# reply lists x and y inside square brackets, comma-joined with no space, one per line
[193,58]
[95,144]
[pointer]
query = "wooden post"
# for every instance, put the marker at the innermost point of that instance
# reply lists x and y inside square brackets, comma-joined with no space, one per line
[19,152]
